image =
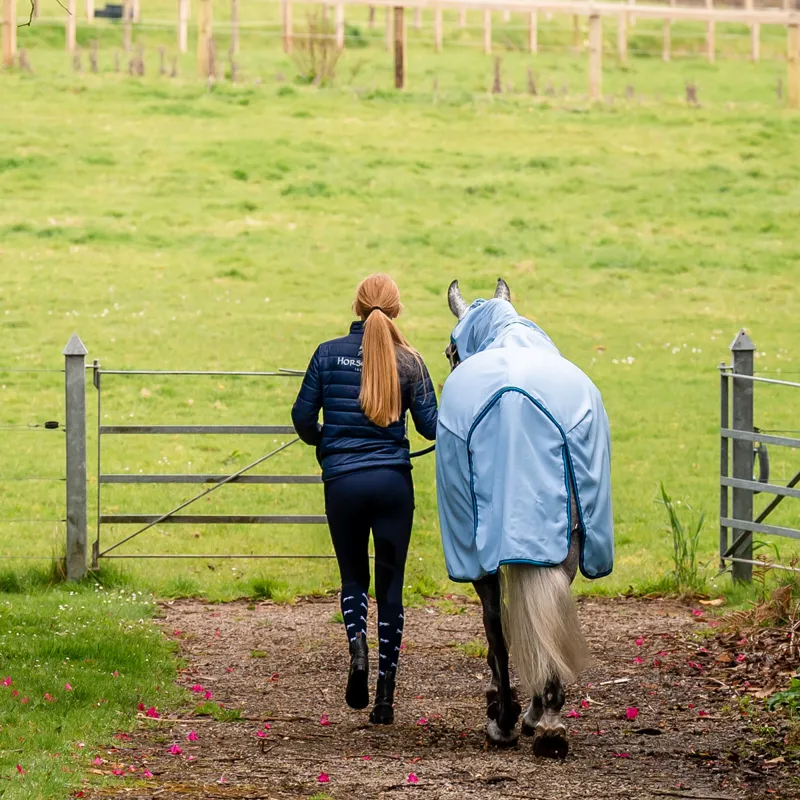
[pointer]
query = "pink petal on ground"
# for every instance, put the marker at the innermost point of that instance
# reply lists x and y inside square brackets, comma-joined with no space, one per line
[177,632]
[323,778]
[222,779]
[131,768]
[191,758]
[621,755]
[366,758]
[697,612]
[67,687]
[638,660]
[152,713]
[175,750]
[691,705]
[695,665]
[572,714]
[741,657]
[14,693]
[197,688]
[115,673]
[229,669]
[639,642]
[117,772]
[422,721]
[274,677]
[656,662]
[25,700]
[49,697]
[208,695]
[702,713]
[584,703]
[631,712]
[412,778]
[262,734]
[191,736]
[19,767]
[267,726]
[147,773]
[140,707]
[80,745]
[324,721]
[6,681]
[98,761]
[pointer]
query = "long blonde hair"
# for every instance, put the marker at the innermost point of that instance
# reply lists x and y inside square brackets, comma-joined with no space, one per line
[378,304]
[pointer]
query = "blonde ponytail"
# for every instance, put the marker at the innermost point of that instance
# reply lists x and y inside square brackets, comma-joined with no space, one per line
[380,379]
[378,303]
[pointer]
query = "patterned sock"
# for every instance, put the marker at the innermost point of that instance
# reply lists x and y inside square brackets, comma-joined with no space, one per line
[354,610]
[390,635]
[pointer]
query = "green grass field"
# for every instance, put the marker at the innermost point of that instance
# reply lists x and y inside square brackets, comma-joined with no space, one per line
[175,227]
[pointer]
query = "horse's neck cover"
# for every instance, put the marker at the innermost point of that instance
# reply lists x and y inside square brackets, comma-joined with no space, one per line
[516,421]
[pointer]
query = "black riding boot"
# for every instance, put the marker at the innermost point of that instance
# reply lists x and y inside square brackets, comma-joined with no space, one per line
[357,694]
[383,711]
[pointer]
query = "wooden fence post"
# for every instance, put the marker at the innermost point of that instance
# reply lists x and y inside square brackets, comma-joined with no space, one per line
[595,57]
[204,32]
[710,44]
[755,35]
[136,10]
[183,25]
[71,26]
[506,15]
[339,22]
[793,64]
[437,29]
[399,48]
[286,8]
[666,53]
[417,19]
[75,418]
[487,32]
[90,10]
[533,32]
[389,34]
[622,37]
[127,16]
[462,18]
[576,33]
[234,26]
[9,32]
[632,18]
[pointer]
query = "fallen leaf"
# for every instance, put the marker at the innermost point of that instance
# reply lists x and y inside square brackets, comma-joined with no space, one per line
[717,601]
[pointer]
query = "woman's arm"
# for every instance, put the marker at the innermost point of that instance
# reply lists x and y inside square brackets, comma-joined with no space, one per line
[305,411]
[423,405]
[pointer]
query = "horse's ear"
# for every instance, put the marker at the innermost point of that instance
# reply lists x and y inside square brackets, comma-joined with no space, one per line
[502,292]
[456,302]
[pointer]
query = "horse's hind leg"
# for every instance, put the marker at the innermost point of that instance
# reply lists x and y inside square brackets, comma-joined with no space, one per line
[502,708]
[543,719]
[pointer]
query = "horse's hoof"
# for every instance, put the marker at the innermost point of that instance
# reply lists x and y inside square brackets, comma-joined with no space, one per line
[531,719]
[550,741]
[498,737]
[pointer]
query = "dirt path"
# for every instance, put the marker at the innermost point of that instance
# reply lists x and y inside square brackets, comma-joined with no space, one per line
[286,665]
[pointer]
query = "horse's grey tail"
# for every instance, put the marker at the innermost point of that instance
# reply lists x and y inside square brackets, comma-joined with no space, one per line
[540,624]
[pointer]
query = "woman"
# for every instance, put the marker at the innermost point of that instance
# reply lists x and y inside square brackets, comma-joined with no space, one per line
[365,383]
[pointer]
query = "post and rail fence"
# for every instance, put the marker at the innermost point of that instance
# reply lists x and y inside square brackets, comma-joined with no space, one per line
[624,14]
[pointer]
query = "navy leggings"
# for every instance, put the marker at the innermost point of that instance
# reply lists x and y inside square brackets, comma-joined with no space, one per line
[380,500]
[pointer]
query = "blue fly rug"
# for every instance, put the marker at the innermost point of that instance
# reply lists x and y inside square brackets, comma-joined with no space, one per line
[518,426]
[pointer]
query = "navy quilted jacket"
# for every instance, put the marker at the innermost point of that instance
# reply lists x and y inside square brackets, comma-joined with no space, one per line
[347,441]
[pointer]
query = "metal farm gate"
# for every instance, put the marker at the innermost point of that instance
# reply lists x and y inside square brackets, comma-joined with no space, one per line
[749,443]
[214,481]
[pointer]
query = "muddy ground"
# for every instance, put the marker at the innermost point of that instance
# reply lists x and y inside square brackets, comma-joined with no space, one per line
[697,734]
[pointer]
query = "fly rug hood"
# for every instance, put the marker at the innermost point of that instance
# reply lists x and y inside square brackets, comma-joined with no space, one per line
[524,491]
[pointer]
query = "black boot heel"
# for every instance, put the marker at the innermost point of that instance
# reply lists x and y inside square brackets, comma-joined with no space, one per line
[383,711]
[357,693]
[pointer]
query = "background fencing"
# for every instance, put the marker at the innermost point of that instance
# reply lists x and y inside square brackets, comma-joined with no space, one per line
[675,29]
